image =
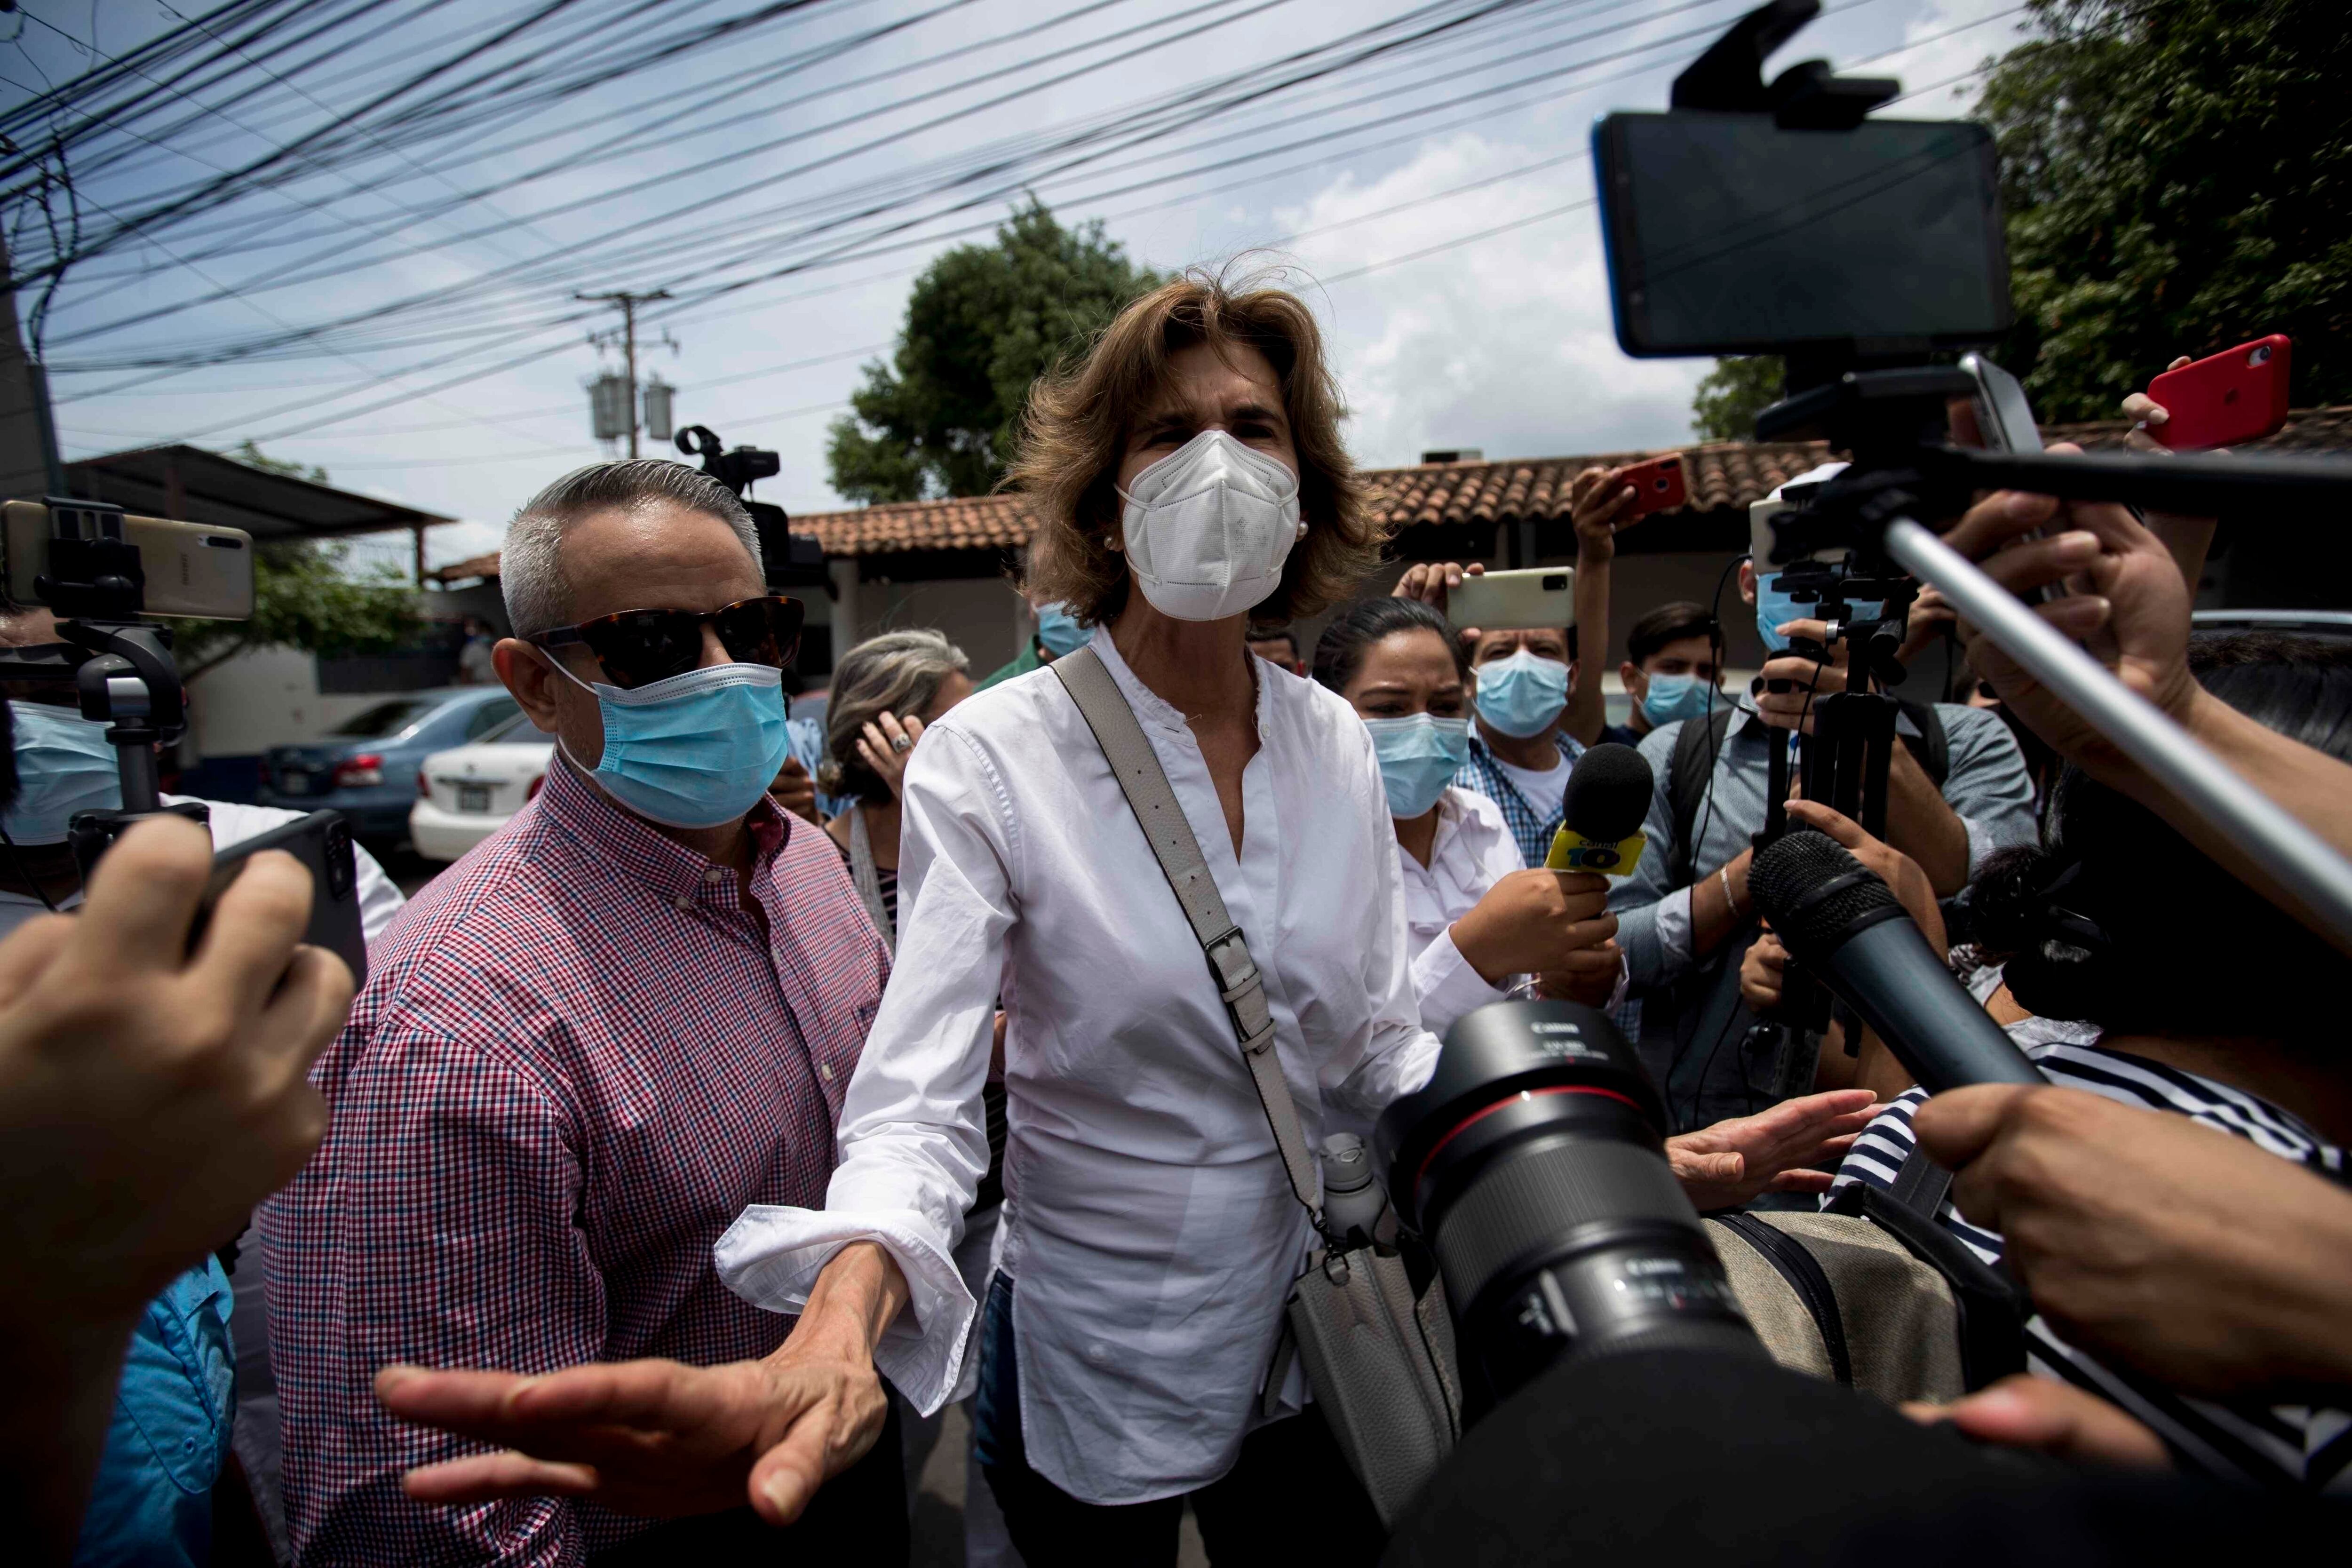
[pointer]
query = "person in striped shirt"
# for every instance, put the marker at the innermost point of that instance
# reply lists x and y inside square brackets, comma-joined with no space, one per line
[2201,997]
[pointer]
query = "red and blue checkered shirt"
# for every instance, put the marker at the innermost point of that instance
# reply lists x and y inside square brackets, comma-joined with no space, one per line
[578,1057]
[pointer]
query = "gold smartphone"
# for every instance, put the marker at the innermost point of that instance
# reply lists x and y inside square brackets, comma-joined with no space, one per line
[193,569]
[1542,596]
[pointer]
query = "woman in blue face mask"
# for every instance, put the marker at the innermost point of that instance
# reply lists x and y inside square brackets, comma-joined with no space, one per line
[1478,919]
[1480,923]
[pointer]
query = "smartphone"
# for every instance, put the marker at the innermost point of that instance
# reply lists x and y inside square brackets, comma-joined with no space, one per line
[193,569]
[1726,234]
[2005,424]
[2226,399]
[2004,419]
[1513,601]
[321,841]
[1662,482]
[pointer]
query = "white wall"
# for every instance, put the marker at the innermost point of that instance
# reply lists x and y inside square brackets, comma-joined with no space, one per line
[264,698]
[983,615]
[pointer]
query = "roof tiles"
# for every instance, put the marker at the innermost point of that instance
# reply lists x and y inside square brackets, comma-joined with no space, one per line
[1724,477]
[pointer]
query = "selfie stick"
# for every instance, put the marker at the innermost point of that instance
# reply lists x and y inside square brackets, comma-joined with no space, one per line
[2302,863]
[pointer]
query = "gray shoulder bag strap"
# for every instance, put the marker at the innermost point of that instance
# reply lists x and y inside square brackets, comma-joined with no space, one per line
[1380,1360]
[868,879]
[1145,783]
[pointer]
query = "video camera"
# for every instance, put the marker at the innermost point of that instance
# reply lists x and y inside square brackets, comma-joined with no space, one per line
[787,560]
[106,573]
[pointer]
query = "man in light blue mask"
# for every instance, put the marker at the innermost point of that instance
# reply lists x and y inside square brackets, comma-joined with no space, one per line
[630,1013]
[1057,632]
[1671,670]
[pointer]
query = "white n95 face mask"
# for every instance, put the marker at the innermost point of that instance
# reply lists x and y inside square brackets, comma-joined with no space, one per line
[1209,526]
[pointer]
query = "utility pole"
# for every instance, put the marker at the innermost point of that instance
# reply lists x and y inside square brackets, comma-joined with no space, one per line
[629,303]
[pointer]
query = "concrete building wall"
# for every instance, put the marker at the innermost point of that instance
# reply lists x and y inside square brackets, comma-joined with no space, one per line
[983,615]
[264,698]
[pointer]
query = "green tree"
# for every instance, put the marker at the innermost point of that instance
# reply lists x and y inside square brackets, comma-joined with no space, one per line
[306,596]
[2178,176]
[1729,396]
[983,322]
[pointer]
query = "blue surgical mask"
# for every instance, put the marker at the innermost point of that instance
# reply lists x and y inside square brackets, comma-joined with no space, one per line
[64,765]
[1773,608]
[1419,756]
[1059,630]
[1673,697]
[1522,695]
[697,749]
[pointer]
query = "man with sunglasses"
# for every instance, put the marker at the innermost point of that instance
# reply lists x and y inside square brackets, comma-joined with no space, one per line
[629,1013]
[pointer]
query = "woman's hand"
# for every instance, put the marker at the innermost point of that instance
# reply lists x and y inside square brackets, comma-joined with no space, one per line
[880,747]
[1727,1164]
[1896,869]
[1764,972]
[1530,921]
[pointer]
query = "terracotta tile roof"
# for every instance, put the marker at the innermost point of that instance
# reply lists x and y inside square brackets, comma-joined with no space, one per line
[1725,477]
[460,571]
[1444,494]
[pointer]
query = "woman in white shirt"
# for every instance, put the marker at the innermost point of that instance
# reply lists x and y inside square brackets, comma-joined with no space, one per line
[1187,474]
[1477,920]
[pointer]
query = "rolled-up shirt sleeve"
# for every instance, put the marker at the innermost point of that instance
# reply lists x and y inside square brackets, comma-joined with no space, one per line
[1446,984]
[1987,784]
[913,1137]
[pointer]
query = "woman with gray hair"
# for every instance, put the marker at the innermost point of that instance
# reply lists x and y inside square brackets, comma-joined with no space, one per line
[884,691]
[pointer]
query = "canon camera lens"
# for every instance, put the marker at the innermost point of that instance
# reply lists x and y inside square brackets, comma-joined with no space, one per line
[1534,1166]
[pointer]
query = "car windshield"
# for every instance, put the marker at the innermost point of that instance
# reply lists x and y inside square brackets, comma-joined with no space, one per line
[517,730]
[385,718]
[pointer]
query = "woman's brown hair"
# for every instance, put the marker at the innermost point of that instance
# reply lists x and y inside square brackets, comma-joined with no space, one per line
[1074,432]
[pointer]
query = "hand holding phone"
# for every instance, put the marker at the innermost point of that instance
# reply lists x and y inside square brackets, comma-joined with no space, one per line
[2224,399]
[1659,485]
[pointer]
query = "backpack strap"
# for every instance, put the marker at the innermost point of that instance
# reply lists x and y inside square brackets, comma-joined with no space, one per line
[1153,800]
[1933,747]
[1689,771]
[1921,1184]
[1992,1307]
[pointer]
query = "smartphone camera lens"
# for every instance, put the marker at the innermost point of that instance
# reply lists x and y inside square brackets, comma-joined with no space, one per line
[1554,581]
[2261,355]
[342,869]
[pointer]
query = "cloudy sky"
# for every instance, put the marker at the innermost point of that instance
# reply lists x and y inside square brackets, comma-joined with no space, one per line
[1431,200]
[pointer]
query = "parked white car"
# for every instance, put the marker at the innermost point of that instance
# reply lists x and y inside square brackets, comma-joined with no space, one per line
[465,795]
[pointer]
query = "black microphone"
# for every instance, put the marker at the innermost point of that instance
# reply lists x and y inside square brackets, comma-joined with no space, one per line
[1847,928]
[1602,812]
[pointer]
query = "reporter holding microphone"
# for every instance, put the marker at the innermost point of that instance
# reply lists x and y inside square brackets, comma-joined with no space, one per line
[1478,919]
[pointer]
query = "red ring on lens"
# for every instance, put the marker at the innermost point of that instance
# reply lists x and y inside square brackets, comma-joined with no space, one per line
[1475,1117]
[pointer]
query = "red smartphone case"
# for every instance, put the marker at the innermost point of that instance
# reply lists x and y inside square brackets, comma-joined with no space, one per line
[1661,482]
[2231,397]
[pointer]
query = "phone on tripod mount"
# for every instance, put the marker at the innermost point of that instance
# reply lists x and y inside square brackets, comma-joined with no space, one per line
[98,567]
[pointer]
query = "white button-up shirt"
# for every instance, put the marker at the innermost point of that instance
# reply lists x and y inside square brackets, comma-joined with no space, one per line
[1473,850]
[1150,1229]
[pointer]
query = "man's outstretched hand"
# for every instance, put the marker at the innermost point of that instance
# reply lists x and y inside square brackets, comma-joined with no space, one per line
[1728,1163]
[660,1437]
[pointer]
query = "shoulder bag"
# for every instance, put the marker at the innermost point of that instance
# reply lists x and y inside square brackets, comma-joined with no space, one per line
[1379,1358]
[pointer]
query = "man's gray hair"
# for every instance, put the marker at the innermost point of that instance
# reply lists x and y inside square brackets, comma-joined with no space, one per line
[530,564]
[897,673]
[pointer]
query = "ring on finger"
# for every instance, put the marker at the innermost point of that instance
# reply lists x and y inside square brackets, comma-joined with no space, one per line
[901,744]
